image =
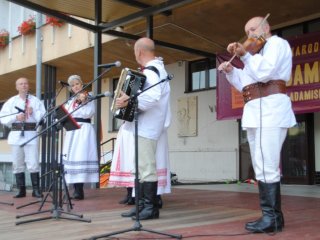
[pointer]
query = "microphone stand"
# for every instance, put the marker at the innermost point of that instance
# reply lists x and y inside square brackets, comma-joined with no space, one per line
[58,179]
[137,225]
[41,122]
[50,107]
[9,114]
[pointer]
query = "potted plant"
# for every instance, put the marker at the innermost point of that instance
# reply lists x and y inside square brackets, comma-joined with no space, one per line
[28,26]
[4,38]
[53,21]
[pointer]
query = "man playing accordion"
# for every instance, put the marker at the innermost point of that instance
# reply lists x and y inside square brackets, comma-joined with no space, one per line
[153,120]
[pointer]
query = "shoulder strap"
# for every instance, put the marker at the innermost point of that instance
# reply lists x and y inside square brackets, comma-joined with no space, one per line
[153,68]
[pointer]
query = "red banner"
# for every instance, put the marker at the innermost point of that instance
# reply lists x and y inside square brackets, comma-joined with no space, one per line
[303,87]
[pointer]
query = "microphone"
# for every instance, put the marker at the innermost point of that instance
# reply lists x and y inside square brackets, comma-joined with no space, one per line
[170,77]
[101,95]
[19,109]
[109,65]
[63,83]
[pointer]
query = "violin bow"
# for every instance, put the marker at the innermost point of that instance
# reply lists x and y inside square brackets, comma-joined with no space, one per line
[260,24]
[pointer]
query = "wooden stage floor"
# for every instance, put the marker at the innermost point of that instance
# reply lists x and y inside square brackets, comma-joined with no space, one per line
[192,213]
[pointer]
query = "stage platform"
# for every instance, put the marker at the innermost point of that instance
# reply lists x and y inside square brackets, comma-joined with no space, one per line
[196,211]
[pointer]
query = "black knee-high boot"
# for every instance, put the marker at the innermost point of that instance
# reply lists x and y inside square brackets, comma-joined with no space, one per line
[150,209]
[21,185]
[132,211]
[128,199]
[272,219]
[35,185]
[78,191]
[159,201]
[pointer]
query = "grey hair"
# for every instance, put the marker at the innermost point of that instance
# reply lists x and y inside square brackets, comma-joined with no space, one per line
[74,77]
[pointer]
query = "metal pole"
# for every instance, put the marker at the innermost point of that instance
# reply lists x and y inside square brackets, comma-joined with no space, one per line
[97,85]
[39,54]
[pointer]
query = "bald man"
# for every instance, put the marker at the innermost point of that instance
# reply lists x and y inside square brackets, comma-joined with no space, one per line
[267,113]
[154,118]
[23,127]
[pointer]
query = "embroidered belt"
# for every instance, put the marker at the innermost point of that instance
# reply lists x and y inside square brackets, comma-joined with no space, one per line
[25,126]
[259,90]
[85,120]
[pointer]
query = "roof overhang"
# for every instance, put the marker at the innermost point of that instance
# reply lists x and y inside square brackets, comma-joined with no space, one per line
[182,29]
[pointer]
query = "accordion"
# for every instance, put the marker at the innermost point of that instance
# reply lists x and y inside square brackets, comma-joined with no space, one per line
[130,82]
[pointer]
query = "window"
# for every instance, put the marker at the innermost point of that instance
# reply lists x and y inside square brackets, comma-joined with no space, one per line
[299,29]
[314,26]
[202,75]
[295,30]
[4,131]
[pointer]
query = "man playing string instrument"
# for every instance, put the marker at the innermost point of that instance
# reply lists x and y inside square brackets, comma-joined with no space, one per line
[267,114]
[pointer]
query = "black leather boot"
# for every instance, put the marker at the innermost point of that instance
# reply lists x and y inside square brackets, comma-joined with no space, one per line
[21,185]
[78,193]
[159,201]
[132,211]
[35,185]
[128,199]
[272,217]
[131,200]
[150,209]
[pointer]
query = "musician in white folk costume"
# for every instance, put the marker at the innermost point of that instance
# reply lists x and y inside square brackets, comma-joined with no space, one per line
[153,120]
[267,113]
[29,111]
[80,157]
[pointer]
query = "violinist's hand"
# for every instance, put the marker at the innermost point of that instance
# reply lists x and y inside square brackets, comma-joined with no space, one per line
[122,101]
[236,48]
[226,67]
[82,97]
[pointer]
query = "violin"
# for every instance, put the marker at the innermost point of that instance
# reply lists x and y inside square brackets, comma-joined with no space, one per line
[254,44]
[82,97]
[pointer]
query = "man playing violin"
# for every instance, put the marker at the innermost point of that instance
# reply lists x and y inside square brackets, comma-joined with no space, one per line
[267,113]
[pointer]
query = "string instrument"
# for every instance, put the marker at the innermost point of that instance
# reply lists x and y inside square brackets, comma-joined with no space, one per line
[82,97]
[25,115]
[254,43]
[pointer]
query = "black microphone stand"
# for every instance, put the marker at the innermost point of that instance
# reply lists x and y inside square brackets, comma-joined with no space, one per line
[41,122]
[137,225]
[10,114]
[58,182]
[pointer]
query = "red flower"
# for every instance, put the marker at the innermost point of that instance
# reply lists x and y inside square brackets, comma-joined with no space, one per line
[54,21]
[4,38]
[27,27]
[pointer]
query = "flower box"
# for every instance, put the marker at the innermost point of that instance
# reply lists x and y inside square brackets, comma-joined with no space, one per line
[28,26]
[4,38]
[54,21]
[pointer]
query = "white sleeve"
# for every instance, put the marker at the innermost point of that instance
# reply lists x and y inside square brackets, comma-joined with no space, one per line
[6,111]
